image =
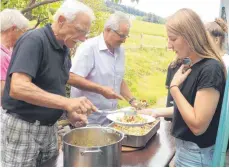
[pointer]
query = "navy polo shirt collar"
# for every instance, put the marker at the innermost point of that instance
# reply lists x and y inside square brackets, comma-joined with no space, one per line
[51,37]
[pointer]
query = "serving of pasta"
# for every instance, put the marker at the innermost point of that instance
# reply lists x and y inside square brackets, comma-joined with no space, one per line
[138,131]
[132,119]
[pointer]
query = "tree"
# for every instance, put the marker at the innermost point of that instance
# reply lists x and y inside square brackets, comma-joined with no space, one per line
[40,12]
[37,10]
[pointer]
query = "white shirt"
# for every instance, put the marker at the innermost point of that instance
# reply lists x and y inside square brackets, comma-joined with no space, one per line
[226,61]
[96,63]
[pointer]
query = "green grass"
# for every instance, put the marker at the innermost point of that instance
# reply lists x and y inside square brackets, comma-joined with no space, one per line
[157,41]
[146,73]
[147,40]
[139,27]
[146,68]
[153,35]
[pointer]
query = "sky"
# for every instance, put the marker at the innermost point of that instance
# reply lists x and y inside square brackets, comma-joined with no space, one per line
[208,10]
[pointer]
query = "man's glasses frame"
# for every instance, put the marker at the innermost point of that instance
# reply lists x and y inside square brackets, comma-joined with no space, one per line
[83,32]
[120,35]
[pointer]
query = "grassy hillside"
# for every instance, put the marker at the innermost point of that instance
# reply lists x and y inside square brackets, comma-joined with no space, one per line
[139,27]
[147,34]
[146,68]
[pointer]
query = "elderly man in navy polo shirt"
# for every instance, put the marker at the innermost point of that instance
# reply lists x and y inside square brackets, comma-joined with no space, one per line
[34,95]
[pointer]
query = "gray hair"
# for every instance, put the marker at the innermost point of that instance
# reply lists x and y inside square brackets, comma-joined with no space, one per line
[13,17]
[70,8]
[114,21]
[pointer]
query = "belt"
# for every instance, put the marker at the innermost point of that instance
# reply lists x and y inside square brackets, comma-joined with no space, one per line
[32,121]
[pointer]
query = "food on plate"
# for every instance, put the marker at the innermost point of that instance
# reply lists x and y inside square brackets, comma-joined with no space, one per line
[138,131]
[132,119]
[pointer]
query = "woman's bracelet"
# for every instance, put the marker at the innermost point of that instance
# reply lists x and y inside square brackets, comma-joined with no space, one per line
[172,87]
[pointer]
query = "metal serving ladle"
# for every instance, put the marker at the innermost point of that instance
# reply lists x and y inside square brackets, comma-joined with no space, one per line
[131,111]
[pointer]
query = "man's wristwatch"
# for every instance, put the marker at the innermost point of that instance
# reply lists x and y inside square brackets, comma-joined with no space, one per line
[131,100]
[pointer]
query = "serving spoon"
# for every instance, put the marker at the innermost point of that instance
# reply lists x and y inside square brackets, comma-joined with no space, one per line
[130,111]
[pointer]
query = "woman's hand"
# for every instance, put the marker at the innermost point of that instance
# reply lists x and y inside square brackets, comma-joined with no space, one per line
[180,77]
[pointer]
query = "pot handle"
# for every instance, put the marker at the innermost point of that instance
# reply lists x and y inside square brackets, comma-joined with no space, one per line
[91,151]
[93,125]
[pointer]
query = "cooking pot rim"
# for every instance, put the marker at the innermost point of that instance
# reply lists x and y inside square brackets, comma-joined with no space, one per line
[94,147]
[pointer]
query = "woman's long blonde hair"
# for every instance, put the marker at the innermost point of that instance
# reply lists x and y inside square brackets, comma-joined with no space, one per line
[186,23]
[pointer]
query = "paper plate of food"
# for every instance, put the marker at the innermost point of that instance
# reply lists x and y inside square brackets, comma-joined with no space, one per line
[131,120]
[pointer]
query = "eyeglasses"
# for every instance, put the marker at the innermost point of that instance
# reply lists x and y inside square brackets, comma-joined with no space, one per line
[123,36]
[83,32]
[22,30]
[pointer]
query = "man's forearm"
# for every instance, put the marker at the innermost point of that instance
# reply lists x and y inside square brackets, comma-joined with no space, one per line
[125,91]
[32,94]
[84,84]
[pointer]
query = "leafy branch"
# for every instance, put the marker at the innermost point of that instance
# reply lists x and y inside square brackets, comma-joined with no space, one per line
[39,20]
[35,5]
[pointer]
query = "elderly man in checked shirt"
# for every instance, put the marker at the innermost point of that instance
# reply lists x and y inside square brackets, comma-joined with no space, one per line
[99,63]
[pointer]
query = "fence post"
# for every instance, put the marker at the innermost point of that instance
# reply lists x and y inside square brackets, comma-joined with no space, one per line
[141,40]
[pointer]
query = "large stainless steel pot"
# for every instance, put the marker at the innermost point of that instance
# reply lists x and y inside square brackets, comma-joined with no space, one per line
[92,147]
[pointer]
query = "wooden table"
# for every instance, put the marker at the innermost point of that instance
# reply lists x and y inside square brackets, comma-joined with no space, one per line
[158,151]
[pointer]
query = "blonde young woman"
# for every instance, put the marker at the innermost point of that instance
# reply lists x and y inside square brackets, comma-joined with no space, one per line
[218,30]
[197,93]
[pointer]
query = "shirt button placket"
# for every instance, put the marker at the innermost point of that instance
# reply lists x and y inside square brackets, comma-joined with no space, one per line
[114,81]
